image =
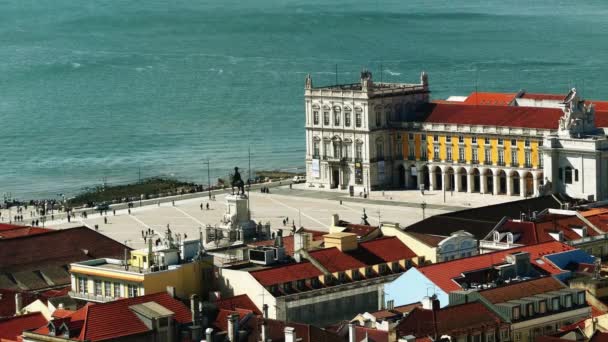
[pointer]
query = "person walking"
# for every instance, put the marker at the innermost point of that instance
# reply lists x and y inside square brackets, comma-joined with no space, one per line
[207,206]
[202,206]
[105,220]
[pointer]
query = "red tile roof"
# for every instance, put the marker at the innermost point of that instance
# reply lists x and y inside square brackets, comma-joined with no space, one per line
[288,240]
[443,273]
[372,335]
[111,320]
[428,239]
[554,97]
[521,289]
[449,320]
[57,247]
[396,311]
[360,230]
[492,99]
[238,302]
[374,252]
[335,260]
[22,231]
[61,313]
[7,298]
[387,249]
[484,115]
[529,233]
[11,328]
[287,273]
[599,336]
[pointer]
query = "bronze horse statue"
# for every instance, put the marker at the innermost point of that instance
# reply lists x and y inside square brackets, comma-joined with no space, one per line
[238,182]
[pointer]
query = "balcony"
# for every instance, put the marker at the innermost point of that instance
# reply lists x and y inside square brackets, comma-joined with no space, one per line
[500,163]
[411,157]
[475,161]
[436,159]
[423,158]
[528,165]
[462,161]
[89,297]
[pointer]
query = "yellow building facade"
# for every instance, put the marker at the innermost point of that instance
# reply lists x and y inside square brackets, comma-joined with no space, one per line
[103,280]
[472,162]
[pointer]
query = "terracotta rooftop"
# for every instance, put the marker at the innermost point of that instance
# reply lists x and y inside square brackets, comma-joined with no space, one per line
[7,298]
[12,327]
[371,335]
[492,99]
[396,311]
[382,250]
[374,252]
[335,260]
[22,231]
[111,320]
[486,115]
[443,273]
[238,302]
[447,321]
[428,239]
[521,289]
[57,247]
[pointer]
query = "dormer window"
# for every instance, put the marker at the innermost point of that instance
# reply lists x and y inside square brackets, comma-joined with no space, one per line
[568,300]
[515,313]
[542,307]
[555,304]
[530,309]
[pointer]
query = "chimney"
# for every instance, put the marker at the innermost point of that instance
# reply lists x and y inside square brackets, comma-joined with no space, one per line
[171,291]
[264,331]
[126,259]
[265,310]
[193,309]
[233,327]
[290,334]
[335,219]
[352,333]
[390,304]
[430,303]
[209,335]
[18,303]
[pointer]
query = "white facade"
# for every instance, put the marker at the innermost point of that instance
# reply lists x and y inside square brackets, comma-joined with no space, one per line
[347,131]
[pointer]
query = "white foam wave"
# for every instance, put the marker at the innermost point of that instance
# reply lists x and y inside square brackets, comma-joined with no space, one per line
[76,65]
[392,73]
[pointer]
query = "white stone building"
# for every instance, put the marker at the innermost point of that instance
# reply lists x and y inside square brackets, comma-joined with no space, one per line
[370,135]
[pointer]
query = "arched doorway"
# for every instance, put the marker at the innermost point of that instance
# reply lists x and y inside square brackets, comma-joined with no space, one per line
[515,179]
[424,173]
[449,182]
[438,178]
[401,177]
[489,180]
[476,180]
[502,179]
[529,183]
[461,174]
[413,174]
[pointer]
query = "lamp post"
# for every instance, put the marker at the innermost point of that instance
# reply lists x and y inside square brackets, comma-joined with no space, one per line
[423,206]
[208,178]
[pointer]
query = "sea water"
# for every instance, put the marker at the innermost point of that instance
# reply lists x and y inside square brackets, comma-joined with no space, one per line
[94,91]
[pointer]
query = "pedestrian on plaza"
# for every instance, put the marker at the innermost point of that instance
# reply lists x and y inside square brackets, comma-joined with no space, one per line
[287,219]
[105,220]
[201,206]
[52,217]
[142,233]
[37,223]
[69,219]
[283,222]
[129,211]
[207,206]
[114,212]
[173,202]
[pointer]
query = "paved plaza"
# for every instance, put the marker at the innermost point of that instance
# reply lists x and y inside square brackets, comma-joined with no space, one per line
[300,205]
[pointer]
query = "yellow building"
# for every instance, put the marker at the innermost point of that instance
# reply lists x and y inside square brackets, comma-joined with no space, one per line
[179,269]
[379,135]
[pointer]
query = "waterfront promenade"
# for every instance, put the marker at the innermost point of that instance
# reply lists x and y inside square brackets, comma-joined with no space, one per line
[308,208]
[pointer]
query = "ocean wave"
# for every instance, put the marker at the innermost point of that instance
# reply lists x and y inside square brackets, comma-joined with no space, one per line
[392,73]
